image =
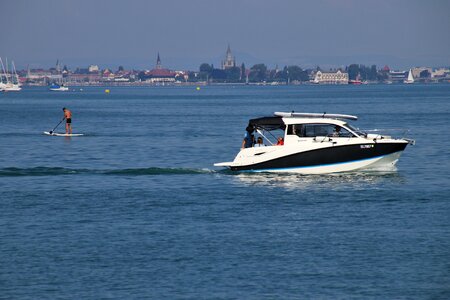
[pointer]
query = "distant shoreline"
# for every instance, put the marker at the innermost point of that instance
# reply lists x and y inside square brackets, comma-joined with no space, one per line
[144,84]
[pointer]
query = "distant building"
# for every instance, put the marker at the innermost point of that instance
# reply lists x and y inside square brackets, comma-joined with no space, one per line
[417,71]
[81,71]
[158,74]
[397,76]
[229,61]
[36,74]
[337,77]
[93,69]
[40,76]
[82,78]
[107,75]
[440,73]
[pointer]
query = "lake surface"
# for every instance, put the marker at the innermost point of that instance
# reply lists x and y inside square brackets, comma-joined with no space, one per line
[136,210]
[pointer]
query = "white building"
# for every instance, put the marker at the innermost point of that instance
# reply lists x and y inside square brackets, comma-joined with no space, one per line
[442,72]
[398,76]
[337,77]
[93,68]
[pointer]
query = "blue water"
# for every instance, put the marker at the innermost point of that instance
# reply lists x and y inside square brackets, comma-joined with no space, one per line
[135,210]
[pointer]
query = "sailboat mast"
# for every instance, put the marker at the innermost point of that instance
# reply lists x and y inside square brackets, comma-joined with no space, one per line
[15,73]
[4,71]
[7,71]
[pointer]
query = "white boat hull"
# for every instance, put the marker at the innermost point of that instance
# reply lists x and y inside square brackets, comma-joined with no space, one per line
[60,89]
[11,88]
[319,158]
[383,163]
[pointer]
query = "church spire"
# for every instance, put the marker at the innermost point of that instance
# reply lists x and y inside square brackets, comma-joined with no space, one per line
[158,62]
[229,61]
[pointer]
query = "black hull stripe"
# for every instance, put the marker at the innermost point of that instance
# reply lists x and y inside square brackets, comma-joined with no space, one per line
[317,166]
[327,156]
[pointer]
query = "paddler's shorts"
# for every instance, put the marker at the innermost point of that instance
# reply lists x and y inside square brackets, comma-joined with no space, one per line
[68,121]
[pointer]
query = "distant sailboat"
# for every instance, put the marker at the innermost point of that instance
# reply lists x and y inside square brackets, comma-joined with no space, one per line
[410,78]
[3,84]
[14,84]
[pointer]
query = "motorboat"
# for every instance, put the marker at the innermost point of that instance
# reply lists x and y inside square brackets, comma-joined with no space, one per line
[355,82]
[315,143]
[58,88]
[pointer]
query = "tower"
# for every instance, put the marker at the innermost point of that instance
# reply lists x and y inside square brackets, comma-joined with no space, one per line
[158,63]
[229,61]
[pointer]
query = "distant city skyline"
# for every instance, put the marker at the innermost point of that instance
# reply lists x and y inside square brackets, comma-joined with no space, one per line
[323,33]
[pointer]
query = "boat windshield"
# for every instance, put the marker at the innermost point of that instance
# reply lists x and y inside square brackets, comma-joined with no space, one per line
[269,128]
[355,130]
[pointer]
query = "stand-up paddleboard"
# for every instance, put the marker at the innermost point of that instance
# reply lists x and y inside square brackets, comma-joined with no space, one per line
[62,134]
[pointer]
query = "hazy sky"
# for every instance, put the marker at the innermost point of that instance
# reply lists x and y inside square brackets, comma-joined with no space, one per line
[188,32]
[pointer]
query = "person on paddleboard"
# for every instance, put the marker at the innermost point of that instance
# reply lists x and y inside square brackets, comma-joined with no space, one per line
[68,117]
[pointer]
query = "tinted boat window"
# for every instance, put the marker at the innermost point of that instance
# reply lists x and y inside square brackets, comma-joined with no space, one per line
[295,129]
[313,130]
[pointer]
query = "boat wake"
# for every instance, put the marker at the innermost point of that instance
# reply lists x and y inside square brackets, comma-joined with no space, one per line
[40,171]
[158,171]
[333,181]
[56,171]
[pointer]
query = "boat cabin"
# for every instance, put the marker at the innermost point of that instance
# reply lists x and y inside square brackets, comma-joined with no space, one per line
[295,129]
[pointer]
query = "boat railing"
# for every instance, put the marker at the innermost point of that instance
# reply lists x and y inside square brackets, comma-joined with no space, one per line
[393,132]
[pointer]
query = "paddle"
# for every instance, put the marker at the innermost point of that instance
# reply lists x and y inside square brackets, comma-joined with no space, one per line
[51,131]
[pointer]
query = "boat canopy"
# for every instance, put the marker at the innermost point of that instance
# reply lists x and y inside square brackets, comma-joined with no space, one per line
[267,123]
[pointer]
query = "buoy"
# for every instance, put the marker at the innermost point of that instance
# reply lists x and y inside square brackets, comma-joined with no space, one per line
[107,91]
[198,88]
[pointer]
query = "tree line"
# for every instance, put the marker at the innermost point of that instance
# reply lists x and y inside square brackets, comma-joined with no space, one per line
[362,72]
[257,73]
